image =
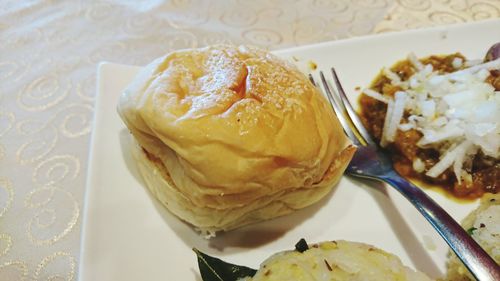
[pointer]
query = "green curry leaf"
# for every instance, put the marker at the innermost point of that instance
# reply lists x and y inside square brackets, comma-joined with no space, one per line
[471,230]
[214,269]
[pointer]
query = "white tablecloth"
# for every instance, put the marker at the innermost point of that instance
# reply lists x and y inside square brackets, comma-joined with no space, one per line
[49,51]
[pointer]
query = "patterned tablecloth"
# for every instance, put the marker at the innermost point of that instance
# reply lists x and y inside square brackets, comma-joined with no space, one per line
[49,51]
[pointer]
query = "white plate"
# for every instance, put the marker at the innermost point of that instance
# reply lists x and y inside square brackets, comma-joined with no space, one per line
[127,235]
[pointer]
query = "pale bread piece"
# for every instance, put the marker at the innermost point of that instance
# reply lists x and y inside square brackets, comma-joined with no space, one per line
[484,226]
[239,134]
[338,261]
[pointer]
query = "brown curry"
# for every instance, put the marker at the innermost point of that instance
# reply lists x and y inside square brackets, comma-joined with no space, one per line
[485,171]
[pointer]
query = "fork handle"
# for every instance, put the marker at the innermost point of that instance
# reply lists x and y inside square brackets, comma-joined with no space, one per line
[479,263]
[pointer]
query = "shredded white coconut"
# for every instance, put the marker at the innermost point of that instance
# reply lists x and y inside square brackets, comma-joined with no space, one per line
[418,165]
[396,116]
[491,65]
[388,117]
[457,113]
[448,159]
[457,63]
[376,95]
[391,75]
[416,63]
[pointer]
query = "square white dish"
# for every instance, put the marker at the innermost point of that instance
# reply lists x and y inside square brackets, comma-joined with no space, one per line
[128,235]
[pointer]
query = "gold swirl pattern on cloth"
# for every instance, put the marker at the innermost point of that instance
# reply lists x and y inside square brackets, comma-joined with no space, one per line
[7,196]
[2,151]
[5,243]
[48,60]
[14,270]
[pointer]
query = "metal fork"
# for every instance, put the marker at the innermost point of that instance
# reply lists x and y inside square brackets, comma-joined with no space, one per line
[371,162]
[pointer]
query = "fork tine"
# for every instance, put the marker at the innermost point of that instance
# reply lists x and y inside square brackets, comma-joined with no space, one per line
[351,113]
[311,78]
[336,108]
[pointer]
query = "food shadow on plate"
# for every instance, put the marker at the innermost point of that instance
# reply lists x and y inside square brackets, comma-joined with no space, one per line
[259,234]
[251,236]
[416,251]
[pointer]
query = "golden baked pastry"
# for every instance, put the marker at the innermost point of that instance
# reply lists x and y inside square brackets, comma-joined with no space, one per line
[231,135]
